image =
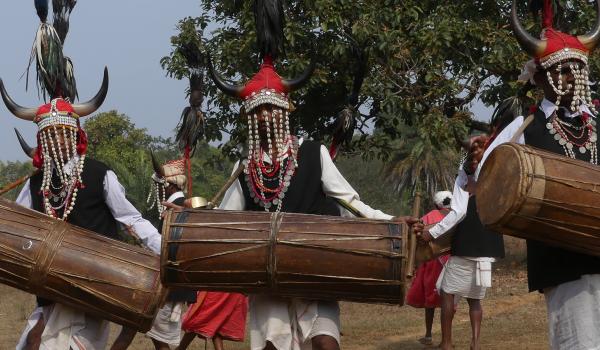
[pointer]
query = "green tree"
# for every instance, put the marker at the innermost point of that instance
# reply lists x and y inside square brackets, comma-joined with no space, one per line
[115,140]
[11,172]
[427,62]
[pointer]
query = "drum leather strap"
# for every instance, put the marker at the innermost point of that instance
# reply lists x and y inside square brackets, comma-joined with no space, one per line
[276,219]
[522,128]
[172,269]
[39,272]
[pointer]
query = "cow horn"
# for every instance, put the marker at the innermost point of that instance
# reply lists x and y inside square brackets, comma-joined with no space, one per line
[18,111]
[533,46]
[228,89]
[29,151]
[297,83]
[87,108]
[158,169]
[590,40]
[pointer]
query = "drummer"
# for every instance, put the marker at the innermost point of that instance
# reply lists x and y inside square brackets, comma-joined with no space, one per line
[285,173]
[562,123]
[106,207]
[73,188]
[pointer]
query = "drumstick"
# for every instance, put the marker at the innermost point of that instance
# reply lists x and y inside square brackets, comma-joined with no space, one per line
[413,238]
[349,207]
[522,128]
[236,174]
[15,184]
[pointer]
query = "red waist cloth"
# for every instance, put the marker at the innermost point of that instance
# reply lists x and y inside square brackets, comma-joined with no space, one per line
[422,292]
[217,313]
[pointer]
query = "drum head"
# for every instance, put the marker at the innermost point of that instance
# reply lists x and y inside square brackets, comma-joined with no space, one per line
[501,184]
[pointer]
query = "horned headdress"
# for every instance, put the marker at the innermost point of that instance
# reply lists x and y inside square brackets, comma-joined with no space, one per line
[170,173]
[267,88]
[555,47]
[59,119]
[556,51]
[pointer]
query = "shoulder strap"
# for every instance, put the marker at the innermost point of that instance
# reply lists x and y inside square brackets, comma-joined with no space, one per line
[522,128]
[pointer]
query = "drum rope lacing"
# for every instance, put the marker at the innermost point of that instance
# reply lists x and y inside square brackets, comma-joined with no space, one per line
[276,219]
[575,184]
[261,243]
[47,252]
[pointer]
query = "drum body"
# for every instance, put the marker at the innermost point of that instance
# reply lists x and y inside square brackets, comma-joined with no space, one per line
[103,277]
[285,254]
[529,193]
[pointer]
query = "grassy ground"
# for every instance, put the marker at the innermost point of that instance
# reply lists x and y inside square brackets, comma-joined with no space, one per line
[513,319]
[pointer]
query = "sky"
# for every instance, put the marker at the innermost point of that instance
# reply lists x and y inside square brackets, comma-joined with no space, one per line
[128,36]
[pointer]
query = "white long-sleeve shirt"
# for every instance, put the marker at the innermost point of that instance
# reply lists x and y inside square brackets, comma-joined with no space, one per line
[458,206]
[334,185]
[508,133]
[458,211]
[121,209]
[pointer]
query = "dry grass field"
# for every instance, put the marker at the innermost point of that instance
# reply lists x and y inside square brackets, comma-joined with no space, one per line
[513,319]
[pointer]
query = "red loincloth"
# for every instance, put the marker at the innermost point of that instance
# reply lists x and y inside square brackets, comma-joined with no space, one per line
[422,292]
[217,313]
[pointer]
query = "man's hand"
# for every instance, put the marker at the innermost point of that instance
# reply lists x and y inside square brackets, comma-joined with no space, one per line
[168,206]
[415,224]
[425,236]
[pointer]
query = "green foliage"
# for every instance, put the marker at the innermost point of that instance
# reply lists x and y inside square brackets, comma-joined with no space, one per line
[11,172]
[428,61]
[210,171]
[367,180]
[114,140]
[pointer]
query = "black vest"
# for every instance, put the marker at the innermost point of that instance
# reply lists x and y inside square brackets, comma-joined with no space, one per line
[90,211]
[548,266]
[305,194]
[472,239]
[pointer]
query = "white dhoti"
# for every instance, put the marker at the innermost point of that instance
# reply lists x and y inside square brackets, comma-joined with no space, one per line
[67,328]
[290,324]
[466,278]
[167,324]
[574,314]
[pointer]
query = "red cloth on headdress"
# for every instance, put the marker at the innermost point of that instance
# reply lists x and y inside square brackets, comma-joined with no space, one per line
[422,292]
[82,141]
[38,157]
[547,14]
[61,106]
[266,78]
[557,41]
[218,313]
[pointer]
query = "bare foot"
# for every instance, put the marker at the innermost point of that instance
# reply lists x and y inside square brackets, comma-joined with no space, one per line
[445,347]
[475,344]
[426,340]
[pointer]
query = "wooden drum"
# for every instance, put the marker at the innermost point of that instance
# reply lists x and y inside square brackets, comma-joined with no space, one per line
[434,249]
[534,194]
[106,278]
[285,254]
